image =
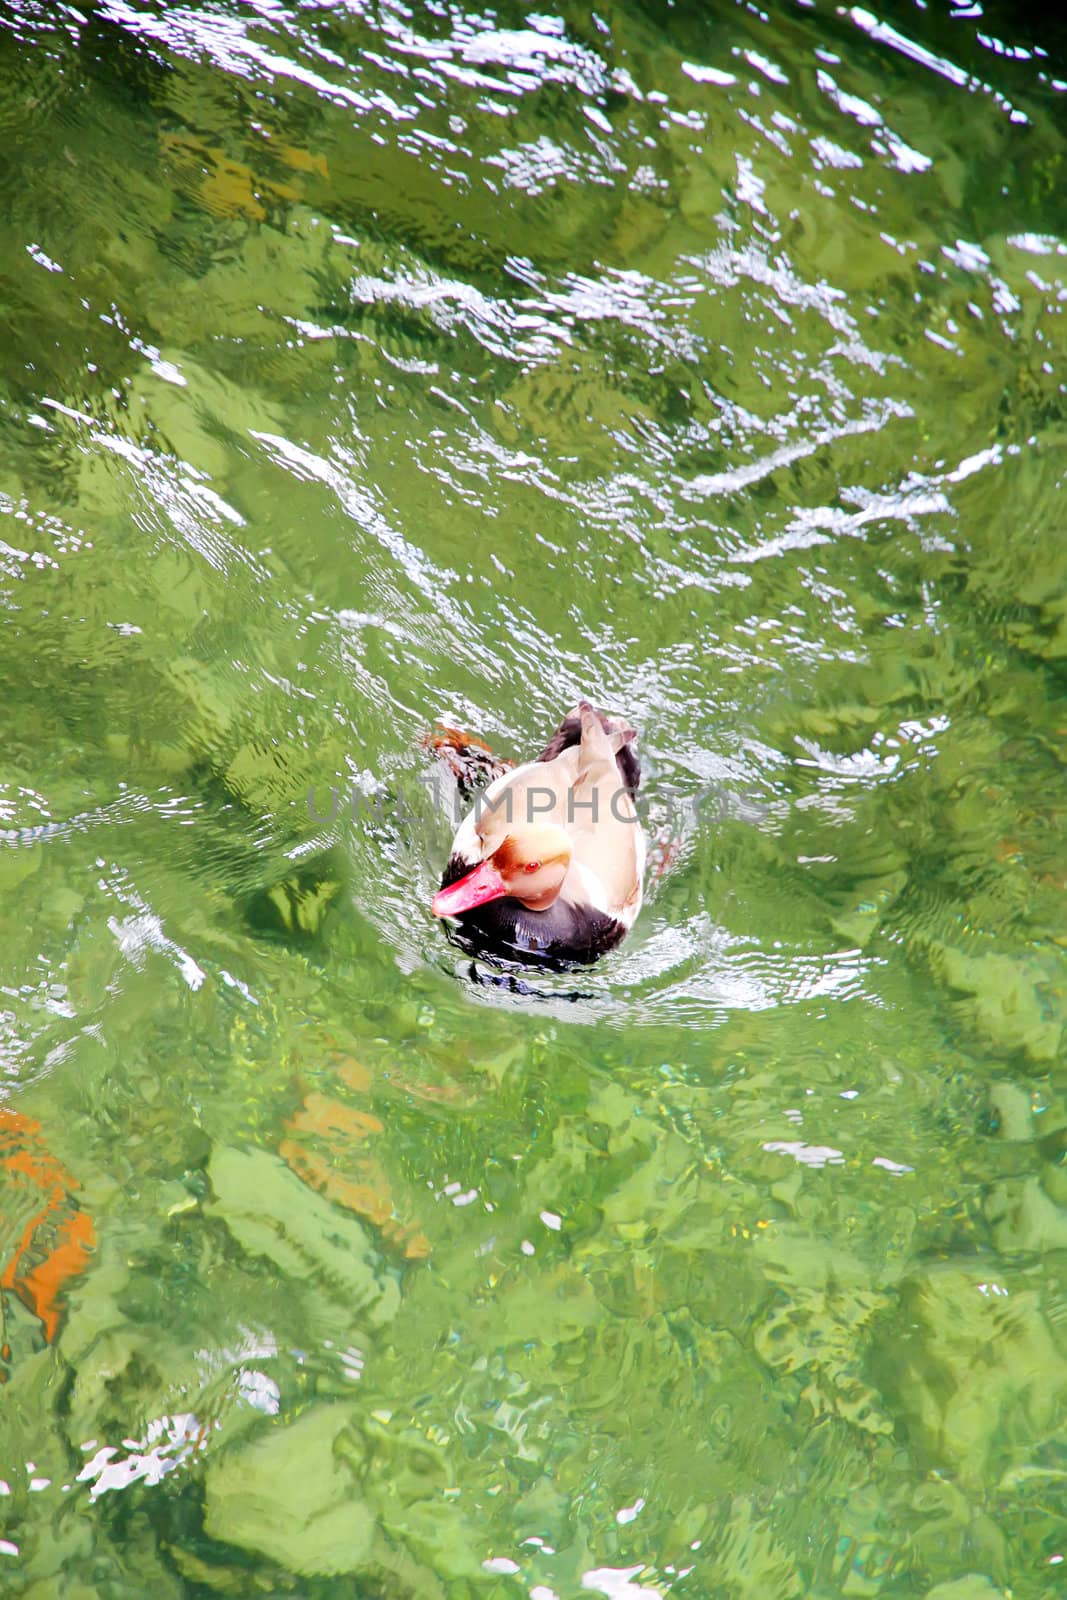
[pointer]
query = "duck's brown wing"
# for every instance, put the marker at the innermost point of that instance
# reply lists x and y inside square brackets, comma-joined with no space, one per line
[602,821]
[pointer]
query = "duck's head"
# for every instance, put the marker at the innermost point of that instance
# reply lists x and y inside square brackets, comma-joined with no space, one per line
[529,864]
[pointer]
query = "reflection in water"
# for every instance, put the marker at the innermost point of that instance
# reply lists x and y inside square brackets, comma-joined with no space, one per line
[370,368]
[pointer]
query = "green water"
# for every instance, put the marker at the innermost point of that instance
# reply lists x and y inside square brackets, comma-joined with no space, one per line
[364,366]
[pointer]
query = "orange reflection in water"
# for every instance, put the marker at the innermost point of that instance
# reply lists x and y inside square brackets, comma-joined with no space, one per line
[343,1168]
[57,1236]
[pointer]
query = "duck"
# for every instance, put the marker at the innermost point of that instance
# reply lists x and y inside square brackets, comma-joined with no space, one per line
[547,868]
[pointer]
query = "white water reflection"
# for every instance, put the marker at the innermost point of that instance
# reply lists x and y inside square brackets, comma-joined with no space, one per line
[168,1443]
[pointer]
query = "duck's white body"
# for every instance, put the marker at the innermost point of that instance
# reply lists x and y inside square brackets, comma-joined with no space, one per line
[548,865]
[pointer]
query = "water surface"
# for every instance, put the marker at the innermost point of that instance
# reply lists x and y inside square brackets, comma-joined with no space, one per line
[365,367]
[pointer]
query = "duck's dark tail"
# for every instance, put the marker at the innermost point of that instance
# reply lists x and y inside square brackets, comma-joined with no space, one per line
[569,733]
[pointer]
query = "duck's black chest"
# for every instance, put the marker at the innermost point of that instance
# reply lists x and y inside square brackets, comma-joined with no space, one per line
[560,936]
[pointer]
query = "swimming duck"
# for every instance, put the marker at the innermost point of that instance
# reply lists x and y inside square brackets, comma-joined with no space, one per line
[547,867]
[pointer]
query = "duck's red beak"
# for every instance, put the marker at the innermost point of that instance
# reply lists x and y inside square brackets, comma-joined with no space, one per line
[484,883]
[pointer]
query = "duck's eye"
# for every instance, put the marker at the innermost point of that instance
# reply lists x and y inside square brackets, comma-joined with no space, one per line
[532,866]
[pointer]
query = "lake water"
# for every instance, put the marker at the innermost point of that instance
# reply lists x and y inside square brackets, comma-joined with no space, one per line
[366,367]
